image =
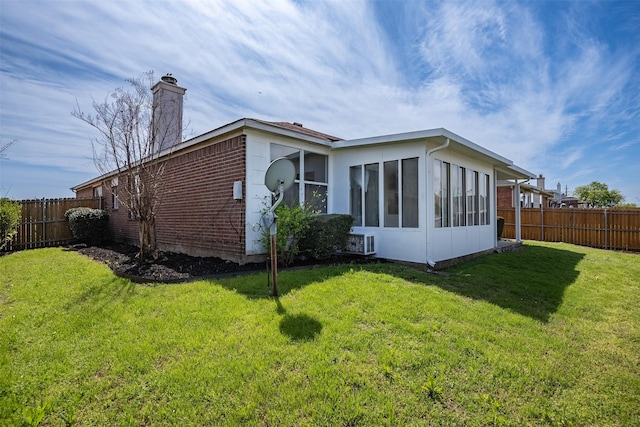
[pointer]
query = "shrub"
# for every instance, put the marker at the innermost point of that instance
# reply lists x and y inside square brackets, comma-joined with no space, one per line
[10,214]
[292,224]
[500,226]
[326,235]
[88,225]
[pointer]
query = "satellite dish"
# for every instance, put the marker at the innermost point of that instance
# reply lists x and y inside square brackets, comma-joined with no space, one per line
[280,171]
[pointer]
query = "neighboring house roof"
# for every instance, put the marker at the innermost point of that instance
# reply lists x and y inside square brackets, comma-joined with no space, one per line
[525,187]
[504,167]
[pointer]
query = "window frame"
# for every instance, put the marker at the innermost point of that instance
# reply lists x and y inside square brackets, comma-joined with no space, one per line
[400,193]
[371,194]
[356,203]
[458,195]
[473,209]
[391,194]
[298,192]
[115,201]
[409,198]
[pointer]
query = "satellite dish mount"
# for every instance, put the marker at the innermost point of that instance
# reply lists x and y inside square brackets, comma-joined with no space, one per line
[279,177]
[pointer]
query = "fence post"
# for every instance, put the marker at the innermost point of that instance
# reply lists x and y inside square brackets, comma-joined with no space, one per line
[542,221]
[606,230]
[518,220]
[43,239]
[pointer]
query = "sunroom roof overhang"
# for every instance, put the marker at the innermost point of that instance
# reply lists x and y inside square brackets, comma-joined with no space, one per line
[513,172]
[505,168]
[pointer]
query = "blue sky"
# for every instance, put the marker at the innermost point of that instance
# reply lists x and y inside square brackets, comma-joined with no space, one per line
[552,85]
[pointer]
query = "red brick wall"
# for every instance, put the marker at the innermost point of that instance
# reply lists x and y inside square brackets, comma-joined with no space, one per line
[85,193]
[505,197]
[121,226]
[197,214]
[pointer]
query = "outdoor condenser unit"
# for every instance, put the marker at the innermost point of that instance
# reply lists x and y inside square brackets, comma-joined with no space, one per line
[363,244]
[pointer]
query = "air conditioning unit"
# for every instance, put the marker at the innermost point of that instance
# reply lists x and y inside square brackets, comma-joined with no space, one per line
[363,244]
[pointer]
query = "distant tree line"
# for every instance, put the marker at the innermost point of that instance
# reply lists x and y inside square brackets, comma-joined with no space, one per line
[598,194]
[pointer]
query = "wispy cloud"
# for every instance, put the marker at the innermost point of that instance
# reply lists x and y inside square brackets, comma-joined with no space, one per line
[530,83]
[622,146]
[571,157]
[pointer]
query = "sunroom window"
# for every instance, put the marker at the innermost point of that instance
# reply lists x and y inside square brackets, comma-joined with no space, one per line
[399,196]
[461,196]
[311,177]
[363,191]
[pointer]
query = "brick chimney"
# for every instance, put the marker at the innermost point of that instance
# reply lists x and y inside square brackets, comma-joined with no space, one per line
[540,182]
[167,112]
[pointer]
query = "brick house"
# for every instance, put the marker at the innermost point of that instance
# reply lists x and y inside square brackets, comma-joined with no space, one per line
[426,196]
[530,196]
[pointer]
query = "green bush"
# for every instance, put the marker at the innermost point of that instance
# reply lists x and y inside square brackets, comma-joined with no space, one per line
[292,224]
[500,226]
[10,214]
[326,235]
[88,225]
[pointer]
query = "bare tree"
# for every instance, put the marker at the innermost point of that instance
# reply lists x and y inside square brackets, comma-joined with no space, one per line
[130,145]
[5,147]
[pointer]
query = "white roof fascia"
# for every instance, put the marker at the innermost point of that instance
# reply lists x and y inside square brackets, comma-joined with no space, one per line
[231,127]
[472,145]
[429,133]
[193,141]
[382,139]
[512,171]
[505,165]
[95,180]
[523,172]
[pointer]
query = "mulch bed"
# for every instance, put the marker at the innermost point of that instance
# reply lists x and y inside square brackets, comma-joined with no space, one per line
[170,267]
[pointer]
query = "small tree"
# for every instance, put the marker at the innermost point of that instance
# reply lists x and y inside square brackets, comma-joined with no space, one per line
[598,195]
[129,144]
[10,214]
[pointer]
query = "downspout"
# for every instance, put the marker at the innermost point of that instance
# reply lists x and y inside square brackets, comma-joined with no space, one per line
[438,148]
[431,262]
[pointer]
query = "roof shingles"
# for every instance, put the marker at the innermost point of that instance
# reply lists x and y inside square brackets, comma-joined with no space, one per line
[296,127]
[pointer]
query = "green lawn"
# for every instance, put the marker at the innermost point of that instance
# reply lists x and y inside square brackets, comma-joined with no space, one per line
[549,335]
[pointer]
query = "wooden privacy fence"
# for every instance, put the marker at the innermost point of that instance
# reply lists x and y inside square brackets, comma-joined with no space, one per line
[43,223]
[617,228]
